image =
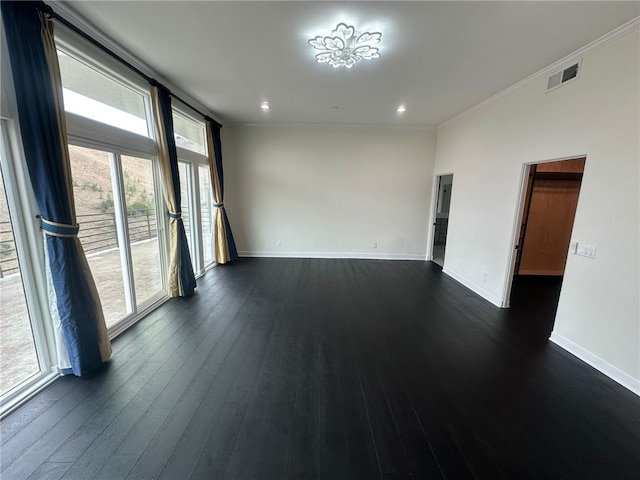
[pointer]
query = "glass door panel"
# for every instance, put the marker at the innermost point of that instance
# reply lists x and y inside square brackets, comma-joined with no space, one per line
[91,171]
[140,203]
[18,360]
[206,213]
[185,194]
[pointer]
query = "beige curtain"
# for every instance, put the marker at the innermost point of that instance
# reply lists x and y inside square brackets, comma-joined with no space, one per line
[180,277]
[224,244]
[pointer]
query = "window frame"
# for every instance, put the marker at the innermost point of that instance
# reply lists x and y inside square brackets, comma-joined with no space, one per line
[194,160]
[213,262]
[181,110]
[118,142]
[135,311]
[28,241]
[83,51]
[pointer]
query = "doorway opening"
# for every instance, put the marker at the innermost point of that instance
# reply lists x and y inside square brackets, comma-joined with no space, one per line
[550,201]
[441,218]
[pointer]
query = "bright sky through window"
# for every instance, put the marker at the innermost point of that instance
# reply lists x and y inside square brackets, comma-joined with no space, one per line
[101,112]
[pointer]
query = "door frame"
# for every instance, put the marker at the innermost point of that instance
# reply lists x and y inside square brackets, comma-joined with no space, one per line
[432,218]
[515,234]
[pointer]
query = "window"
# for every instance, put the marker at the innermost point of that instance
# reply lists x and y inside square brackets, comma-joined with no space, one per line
[25,360]
[115,180]
[184,170]
[91,94]
[195,189]
[116,208]
[189,134]
[19,359]
[92,173]
[142,219]
[206,213]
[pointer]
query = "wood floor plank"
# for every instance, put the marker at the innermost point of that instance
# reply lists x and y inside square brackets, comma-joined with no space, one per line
[333,340]
[117,467]
[332,369]
[214,346]
[222,411]
[363,454]
[186,360]
[244,459]
[276,445]
[224,405]
[229,354]
[51,471]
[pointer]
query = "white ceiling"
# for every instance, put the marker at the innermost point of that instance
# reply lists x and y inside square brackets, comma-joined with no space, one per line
[437,58]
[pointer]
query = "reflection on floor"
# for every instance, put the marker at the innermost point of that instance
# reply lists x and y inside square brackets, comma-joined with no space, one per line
[438,254]
[534,301]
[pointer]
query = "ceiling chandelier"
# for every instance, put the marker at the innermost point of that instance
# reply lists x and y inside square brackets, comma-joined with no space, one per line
[345,47]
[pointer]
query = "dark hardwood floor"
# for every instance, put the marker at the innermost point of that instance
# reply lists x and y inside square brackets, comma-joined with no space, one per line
[303,369]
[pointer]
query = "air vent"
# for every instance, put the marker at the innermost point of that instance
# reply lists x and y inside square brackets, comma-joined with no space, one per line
[563,76]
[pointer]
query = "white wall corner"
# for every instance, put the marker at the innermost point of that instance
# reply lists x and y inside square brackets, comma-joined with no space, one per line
[596,362]
[498,302]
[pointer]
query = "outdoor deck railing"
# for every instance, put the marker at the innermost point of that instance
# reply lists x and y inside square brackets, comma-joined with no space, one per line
[97,233]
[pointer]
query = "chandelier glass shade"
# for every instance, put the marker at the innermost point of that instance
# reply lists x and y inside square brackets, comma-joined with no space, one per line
[345,47]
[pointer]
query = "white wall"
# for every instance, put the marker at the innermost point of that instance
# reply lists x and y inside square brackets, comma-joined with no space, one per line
[598,315]
[329,191]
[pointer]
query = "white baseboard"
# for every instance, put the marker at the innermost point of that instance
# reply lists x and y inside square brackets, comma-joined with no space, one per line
[475,288]
[596,362]
[355,255]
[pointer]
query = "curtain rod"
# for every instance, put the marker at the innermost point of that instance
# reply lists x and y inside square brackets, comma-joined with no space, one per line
[52,13]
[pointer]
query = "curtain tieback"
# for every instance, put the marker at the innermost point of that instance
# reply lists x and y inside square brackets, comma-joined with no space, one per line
[218,205]
[175,215]
[56,229]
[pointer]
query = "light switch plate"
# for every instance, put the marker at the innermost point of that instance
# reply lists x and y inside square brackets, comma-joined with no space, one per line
[573,248]
[588,251]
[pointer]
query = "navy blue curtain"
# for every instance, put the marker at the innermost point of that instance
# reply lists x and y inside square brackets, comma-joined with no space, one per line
[73,297]
[179,258]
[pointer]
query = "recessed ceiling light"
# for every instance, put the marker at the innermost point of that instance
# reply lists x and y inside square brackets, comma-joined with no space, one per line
[402,109]
[265,106]
[344,47]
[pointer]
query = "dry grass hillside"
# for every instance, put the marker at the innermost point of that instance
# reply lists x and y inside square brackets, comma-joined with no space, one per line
[92,182]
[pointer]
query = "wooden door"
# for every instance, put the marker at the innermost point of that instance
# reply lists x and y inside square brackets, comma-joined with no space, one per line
[525,217]
[549,220]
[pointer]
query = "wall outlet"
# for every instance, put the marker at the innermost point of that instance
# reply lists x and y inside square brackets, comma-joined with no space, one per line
[375,244]
[484,276]
[278,243]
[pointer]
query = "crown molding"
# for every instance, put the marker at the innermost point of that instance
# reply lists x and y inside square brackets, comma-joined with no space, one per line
[361,126]
[612,36]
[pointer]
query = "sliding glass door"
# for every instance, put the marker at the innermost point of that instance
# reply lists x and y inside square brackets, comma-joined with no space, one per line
[25,363]
[116,209]
[93,181]
[19,360]
[195,189]
[142,220]
[206,213]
